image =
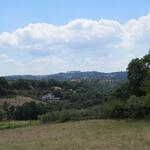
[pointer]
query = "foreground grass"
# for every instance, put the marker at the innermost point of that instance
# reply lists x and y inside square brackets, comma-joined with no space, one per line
[16,124]
[83,135]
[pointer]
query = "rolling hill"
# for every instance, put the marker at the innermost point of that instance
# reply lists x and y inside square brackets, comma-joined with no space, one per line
[73,75]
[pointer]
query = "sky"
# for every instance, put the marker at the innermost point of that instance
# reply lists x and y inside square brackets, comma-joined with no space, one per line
[50,36]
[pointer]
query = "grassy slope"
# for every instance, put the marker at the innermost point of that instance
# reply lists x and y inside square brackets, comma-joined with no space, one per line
[18,100]
[84,135]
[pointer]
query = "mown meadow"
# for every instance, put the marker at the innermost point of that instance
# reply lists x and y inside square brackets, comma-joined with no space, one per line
[80,135]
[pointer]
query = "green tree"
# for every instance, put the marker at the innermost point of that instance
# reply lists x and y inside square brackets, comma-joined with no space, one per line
[137,73]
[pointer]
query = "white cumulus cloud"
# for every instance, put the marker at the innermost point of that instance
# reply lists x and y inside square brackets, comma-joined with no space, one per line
[82,44]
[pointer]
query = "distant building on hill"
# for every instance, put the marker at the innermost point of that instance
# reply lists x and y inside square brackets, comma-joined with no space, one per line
[50,97]
[56,88]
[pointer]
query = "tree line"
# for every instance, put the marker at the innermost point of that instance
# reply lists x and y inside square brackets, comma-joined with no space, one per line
[84,99]
[132,99]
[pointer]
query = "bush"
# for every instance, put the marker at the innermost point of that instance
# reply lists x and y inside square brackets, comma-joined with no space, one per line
[138,107]
[1,115]
[29,111]
[113,109]
[63,116]
[134,107]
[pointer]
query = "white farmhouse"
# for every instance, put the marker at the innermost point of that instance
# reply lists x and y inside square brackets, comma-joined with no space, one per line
[49,97]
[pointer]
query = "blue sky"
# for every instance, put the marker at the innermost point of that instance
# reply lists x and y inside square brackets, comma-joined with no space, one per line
[50,36]
[18,13]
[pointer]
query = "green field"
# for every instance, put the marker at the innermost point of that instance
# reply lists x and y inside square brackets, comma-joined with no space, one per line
[83,135]
[16,124]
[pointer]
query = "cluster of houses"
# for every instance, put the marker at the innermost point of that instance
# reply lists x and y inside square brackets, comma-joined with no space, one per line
[50,96]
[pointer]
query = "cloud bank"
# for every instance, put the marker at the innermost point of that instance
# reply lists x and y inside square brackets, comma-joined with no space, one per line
[82,44]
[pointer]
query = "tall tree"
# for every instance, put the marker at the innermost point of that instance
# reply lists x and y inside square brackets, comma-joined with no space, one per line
[137,73]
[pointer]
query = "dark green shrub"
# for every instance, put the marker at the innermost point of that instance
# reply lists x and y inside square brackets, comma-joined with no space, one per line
[113,109]
[138,107]
[63,116]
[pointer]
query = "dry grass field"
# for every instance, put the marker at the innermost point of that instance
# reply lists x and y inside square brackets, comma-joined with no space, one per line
[83,135]
[18,100]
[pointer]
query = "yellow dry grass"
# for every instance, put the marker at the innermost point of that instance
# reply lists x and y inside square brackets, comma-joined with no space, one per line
[83,135]
[18,100]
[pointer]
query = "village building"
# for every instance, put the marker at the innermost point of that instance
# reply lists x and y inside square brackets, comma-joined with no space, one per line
[50,97]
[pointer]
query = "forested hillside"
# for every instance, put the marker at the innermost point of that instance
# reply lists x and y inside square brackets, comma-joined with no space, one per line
[68,94]
[76,99]
[74,75]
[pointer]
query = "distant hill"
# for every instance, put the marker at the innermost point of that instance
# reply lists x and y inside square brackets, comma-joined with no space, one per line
[73,75]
